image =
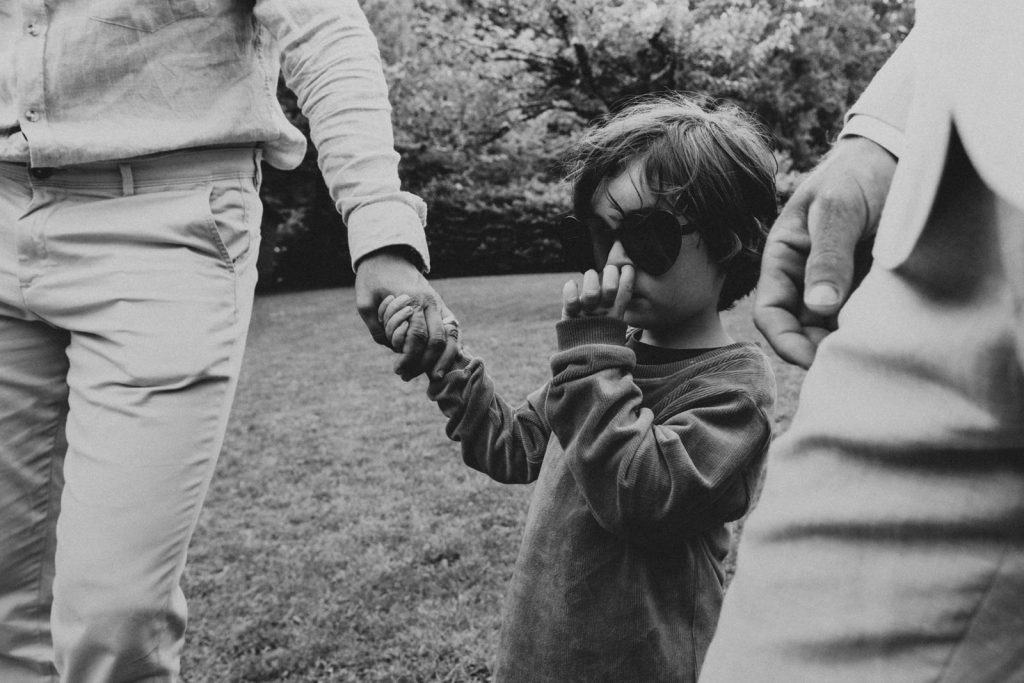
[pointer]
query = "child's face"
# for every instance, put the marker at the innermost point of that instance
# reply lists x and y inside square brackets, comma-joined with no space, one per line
[670,305]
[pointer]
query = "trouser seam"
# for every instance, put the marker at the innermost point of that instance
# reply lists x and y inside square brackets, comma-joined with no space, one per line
[50,540]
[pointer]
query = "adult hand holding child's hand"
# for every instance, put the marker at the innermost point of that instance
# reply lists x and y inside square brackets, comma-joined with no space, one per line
[605,294]
[395,315]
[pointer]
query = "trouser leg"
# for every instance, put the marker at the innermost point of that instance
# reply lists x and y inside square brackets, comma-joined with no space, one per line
[32,407]
[155,290]
[33,400]
[138,468]
[889,543]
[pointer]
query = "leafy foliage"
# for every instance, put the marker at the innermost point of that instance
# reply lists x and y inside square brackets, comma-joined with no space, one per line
[487,94]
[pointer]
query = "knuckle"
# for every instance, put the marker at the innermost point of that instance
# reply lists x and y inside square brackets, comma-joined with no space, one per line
[838,200]
[829,258]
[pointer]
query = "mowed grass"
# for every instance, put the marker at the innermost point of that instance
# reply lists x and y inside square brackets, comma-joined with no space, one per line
[343,539]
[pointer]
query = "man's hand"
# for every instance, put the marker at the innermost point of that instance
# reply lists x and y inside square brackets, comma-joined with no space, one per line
[427,347]
[607,294]
[395,314]
[808,267]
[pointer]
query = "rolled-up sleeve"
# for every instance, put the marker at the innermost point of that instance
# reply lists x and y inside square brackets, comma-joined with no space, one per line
[880,114]
[330,58]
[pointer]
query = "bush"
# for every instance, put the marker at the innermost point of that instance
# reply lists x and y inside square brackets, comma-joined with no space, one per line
[487,93]
[486,228]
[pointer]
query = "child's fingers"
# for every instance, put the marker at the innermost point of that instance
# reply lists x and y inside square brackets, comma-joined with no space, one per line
[571,307]
[398,336]
[394,305]
[384,303]
[590,294]
[627,276]
[396,319]
[609,285]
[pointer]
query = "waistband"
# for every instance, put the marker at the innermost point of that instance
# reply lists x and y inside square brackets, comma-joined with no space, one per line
[220,163]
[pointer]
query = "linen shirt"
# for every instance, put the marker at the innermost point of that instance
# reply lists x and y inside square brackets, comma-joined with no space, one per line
[958,69]
[91,80]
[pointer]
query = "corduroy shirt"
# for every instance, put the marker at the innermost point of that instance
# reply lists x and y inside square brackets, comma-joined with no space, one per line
[638,468]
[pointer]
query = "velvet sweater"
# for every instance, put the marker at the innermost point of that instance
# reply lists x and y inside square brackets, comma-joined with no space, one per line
[638,468]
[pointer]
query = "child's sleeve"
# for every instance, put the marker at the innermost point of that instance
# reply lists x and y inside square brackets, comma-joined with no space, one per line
[653,484]
[504,442]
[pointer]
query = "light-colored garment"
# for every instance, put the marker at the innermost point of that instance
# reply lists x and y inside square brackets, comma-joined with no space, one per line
[638,467]
[89,80]
[127,269]
[125,293]
[962,65]
[889,542]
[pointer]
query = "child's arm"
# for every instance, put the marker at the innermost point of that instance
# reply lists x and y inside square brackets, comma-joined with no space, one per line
[654,484]
[503,442]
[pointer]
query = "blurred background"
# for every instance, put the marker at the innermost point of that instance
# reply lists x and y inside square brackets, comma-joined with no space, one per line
[487,94]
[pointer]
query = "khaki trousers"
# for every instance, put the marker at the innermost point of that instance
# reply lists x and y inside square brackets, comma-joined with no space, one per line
[889,543]
[125,297]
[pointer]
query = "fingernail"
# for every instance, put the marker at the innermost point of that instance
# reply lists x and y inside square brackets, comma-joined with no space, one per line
[822,295]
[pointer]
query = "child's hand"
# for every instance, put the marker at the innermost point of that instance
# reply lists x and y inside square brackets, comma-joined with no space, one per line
[395,314]
[600,295]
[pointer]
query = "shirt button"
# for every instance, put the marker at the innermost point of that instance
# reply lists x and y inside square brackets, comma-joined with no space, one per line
[33,29]
[32,115]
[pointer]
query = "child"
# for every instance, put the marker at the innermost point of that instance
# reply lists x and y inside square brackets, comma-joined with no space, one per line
[648,438]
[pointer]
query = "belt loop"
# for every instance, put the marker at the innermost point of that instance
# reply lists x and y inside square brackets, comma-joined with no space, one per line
[127,182]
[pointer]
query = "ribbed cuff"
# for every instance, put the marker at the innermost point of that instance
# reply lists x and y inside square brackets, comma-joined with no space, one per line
[590,330]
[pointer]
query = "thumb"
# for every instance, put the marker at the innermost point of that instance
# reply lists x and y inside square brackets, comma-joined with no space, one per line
[835,227]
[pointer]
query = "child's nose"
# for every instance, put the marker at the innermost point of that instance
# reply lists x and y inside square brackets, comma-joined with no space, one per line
[618,256]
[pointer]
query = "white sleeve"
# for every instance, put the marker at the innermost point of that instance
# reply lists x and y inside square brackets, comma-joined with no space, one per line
[880,114]
[330,59]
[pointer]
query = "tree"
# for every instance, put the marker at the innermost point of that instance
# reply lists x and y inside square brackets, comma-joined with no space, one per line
[487,94]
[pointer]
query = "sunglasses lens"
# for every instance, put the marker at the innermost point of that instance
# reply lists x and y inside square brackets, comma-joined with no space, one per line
[653,241]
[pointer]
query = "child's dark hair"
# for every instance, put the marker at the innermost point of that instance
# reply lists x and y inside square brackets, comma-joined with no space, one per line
[708,160]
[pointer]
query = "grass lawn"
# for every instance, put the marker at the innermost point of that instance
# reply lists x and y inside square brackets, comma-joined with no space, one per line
[343,539]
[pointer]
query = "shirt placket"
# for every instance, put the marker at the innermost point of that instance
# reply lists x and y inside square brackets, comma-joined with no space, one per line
[31,96]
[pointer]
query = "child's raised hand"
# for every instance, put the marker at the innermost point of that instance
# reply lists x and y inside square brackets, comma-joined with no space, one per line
[606,294]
